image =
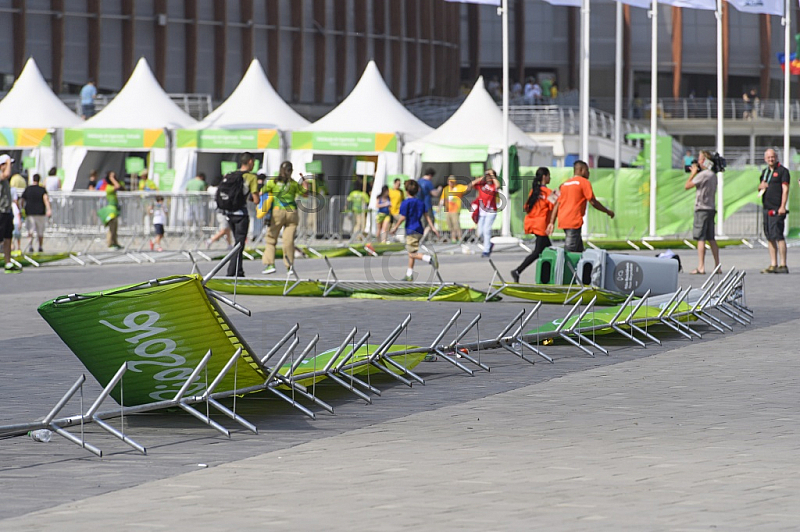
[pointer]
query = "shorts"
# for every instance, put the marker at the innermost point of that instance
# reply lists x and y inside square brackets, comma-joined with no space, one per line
[87,110]
[703,228]
[573,241]
[6,225]
[773,226]
[412,242]
[222,222]
[383,216]
[159,229]
[36,223]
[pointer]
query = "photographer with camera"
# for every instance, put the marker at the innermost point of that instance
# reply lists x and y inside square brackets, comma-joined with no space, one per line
[773,188]
[702,177]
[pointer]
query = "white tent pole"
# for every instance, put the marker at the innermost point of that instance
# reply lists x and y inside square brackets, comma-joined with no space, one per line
[787,35]
[584,102]
[653,114]
[618,92]
[720,117]
[506,227]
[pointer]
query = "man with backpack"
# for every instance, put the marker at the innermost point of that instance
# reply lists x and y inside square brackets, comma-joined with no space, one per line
[232,195]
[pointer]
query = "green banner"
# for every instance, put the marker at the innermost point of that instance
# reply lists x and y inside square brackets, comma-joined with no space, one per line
[476,169]
[228,139]
[166,179]
[343,141]
[134,165]
[226,167]
[115,138]
[159,168]
[314,167]
[29,162]
[148,327]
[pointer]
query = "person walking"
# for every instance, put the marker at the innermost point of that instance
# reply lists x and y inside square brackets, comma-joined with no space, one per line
[426,193]
[384,217]
[159,212]
[36,203]
[570,208]
[112,186]
[232,195]
[6,213]
[774,191]
[453,194]
[284,191]
[702,178]
[538,207]
[487,187]
[412,210]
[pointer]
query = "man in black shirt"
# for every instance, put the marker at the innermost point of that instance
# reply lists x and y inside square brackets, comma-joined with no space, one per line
[37,208]
[773,188]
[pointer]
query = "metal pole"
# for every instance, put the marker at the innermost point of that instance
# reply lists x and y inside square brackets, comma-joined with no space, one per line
[720,117]
[787,36]
[585,11]
[653,114]
[506,228]
[618,92]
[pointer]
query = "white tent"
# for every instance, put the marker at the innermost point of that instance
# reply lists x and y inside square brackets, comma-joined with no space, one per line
[370,121]
[473,134]
[253,118]
[138,119]
[29,114]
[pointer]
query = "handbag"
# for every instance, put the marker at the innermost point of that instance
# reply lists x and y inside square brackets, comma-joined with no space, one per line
[475,207]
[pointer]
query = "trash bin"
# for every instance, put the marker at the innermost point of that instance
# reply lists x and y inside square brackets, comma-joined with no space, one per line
[619,272]
[556,266]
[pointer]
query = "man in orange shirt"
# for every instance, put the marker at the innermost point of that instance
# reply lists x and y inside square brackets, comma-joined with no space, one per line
[571,207]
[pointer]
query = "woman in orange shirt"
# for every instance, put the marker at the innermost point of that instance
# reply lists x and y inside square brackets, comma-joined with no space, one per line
[539,206]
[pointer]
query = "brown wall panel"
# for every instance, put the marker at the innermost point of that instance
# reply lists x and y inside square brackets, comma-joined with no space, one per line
[297,50]
[57,45]
[160,34]
[248,33]
[128,37]
[474,52]
[626,52]
[677,50]
[426,50]
[19,23]
[340,26]
[396,30]
[573,45]
[319,50]
[519,40]
[360,26]
[726,46]
[220,46]
[379,31]
[94,45]
[273,42]
[412,47]
[765,38]
[190,34]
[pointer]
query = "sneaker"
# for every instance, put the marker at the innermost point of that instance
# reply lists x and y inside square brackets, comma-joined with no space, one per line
[159,249]
[115,248]
[269,269]
[208,243]
[771,269]
[515,276]
[41,250]
[782,269]
[491,247]
[290,271]
[12,268]
[434,260]
[430,358]
[409,278]
[151,245]
[484,255]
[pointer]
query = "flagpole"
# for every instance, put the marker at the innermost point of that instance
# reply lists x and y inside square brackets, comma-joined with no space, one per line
[506,227]
[787,35]
[653,114]
[584,84]
[720,117]
[618,92]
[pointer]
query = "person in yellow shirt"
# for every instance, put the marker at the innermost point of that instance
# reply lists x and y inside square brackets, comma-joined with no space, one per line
[284,192]
[145,183]
[452,194]
[396,196]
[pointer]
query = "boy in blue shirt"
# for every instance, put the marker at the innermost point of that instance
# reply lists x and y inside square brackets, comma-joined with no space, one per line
[412,210]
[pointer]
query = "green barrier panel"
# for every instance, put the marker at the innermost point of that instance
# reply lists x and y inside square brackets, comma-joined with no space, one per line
[560,294]
[152,328]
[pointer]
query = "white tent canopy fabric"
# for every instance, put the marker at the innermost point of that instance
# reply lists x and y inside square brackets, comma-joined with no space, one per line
[253,105]
[369,109]
[474,133]
[31,105]
[141,106]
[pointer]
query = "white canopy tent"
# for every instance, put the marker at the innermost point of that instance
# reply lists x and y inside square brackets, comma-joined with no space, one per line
[31,118]
[253,118]
[138,119]
[473,134]
[370,121]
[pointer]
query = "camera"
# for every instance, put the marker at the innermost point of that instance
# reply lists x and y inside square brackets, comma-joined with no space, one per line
[718,164]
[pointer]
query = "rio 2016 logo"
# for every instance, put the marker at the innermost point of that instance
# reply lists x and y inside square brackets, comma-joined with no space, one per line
[171,379]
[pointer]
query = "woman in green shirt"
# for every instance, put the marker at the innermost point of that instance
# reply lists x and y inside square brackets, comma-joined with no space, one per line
[112,186]
[283,191]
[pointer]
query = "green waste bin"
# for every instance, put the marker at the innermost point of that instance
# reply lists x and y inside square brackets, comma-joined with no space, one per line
[556,266]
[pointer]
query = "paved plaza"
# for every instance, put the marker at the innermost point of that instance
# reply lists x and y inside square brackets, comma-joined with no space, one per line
[690,435]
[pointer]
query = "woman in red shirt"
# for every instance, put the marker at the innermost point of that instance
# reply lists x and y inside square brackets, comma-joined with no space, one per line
[487,187]
[539,206]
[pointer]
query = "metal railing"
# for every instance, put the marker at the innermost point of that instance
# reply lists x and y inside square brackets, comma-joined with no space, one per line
[198,106]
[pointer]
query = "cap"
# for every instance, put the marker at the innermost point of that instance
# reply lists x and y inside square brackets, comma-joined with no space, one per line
[452,178]
[5,157]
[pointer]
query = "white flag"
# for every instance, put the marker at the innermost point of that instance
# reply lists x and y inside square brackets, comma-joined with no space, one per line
[487,2]
[770,7]
[708,5]
[570,3]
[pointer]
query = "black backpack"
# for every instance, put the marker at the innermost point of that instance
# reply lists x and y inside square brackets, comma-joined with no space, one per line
[230,193]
